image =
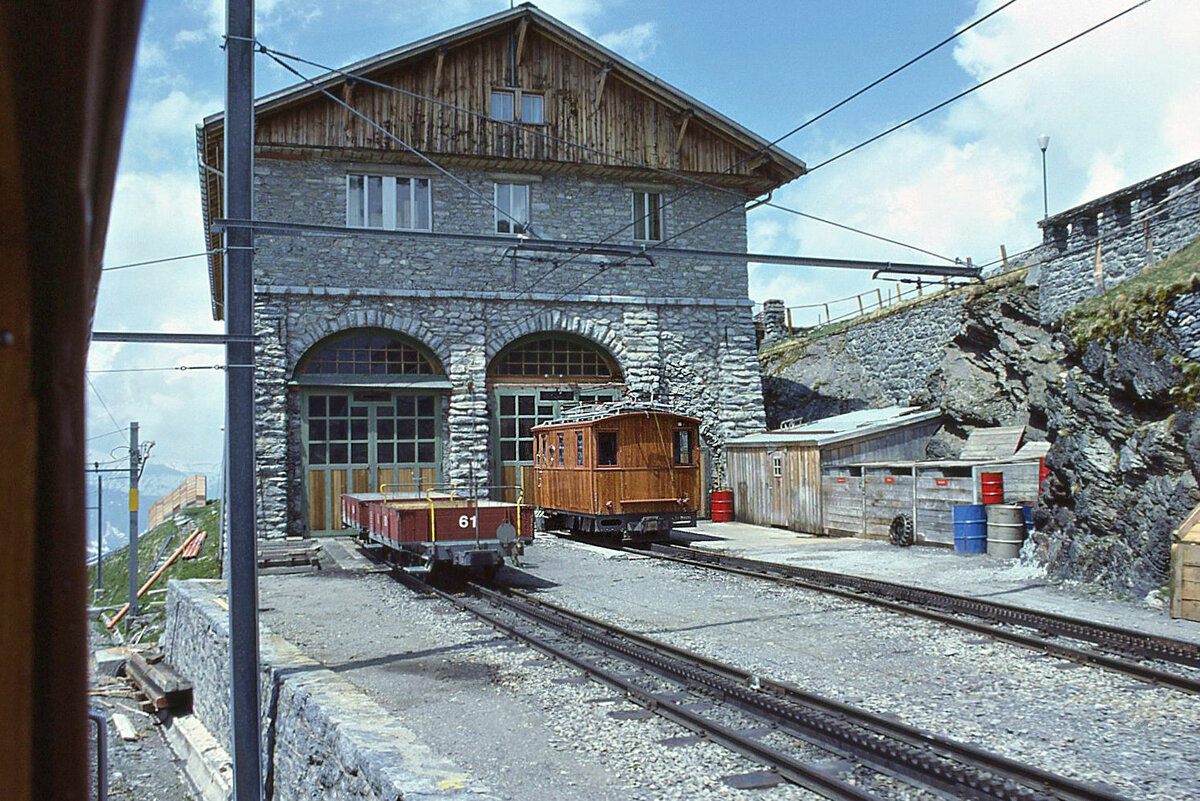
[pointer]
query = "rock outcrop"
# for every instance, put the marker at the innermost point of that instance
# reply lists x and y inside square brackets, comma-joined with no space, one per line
[1115,402]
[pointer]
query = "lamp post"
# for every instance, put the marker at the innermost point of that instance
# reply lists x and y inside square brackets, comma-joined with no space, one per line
[1044,142]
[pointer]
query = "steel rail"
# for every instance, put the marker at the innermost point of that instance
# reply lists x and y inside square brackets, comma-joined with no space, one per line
[946,607]
[785,765]
[878,743]
[807,715]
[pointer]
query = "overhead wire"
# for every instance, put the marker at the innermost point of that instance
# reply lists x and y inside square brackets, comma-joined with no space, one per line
[161,261]
[698,183]
[976,87]
[178,367]
[100,398]
[398,140]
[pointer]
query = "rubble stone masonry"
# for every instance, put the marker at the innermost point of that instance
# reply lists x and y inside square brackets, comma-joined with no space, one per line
[680,329]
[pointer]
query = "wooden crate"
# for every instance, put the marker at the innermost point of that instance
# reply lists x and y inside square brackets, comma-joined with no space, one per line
[1185,576]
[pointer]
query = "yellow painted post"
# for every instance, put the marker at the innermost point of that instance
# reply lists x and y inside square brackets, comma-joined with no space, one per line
[432,516]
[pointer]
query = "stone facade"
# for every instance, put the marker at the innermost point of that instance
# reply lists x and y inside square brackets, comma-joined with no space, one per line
[679,329]
[1133,227]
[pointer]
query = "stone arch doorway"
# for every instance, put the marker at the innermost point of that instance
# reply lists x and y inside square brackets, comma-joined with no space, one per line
[372,405]
[534,379]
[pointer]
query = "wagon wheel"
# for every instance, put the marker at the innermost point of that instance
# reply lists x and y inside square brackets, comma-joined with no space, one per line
[900,532]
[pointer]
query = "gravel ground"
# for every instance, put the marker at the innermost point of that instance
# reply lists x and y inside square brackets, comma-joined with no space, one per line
[521,724]
[1088,724]
[506,714]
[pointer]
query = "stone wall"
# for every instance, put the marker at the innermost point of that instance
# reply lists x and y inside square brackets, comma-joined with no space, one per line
[877,362]
[322,737]
[1133,227]
[679,329]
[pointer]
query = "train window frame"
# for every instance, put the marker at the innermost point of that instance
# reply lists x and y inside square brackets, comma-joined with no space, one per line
[579,449]
[562,450]
[607,447]
[682,451]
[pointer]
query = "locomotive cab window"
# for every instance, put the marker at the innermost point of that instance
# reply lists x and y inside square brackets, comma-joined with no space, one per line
[606,448]
[683,446]
[579,448]
[562,451]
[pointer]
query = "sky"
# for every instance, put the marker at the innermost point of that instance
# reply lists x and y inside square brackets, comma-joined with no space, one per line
[1120,104]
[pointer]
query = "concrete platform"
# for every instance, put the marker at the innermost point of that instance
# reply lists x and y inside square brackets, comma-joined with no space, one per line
[1006,580]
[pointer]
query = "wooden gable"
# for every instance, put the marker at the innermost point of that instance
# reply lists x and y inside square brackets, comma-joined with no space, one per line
[603,115]
[597,115]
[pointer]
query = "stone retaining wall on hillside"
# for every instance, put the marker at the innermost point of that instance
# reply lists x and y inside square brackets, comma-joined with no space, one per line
[1133,228]
[322,737]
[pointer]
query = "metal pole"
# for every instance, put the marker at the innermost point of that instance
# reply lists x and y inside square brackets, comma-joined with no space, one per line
[1043,143]
[99,527]
[133,523]
[239,394]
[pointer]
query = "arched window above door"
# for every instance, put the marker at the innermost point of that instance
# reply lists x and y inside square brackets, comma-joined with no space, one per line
[555,356]
[367,353]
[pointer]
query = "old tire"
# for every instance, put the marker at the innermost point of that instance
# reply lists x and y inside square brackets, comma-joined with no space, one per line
[900,532]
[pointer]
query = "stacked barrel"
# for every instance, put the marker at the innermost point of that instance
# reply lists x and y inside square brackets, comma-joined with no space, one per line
[992,527]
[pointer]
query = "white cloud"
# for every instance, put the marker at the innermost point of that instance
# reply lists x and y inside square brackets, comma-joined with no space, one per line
[966,180]
[635,43]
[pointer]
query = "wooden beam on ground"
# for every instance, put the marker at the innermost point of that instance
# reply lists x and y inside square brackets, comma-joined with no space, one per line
[165,688]
[157,573]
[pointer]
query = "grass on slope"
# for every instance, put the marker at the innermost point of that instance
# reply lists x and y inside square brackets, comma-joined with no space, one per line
[1138,307]
[115,570]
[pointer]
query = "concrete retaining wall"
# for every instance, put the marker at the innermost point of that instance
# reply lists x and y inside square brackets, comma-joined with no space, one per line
[322,737]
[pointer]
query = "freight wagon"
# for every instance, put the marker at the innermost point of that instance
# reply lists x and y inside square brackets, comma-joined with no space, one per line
[441,529]
[621,469]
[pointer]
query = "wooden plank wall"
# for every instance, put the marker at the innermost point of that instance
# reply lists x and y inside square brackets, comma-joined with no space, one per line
[624,121]
[842,501]
[1020,480]
[749,476]
[884,499]
[938,492]
[897,445]
[792,500]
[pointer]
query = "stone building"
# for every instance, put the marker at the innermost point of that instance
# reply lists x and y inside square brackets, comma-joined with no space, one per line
[416,316]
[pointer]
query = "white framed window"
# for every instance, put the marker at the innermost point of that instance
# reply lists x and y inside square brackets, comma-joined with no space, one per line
[516,105]
[512,208]
[776,465]
[647,216]
[386,201]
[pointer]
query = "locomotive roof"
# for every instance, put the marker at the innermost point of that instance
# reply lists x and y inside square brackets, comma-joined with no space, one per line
[592,413]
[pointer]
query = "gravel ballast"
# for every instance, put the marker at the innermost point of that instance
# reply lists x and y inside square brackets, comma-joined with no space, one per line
[505,714]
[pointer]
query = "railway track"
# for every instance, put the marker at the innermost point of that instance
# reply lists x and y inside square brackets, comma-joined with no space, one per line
[1109,647]
[779,725]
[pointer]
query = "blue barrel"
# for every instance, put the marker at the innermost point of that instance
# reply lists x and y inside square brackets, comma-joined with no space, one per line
[1028,512]
[970,529]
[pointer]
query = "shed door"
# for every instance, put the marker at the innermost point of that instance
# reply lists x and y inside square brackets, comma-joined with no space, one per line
[779,486]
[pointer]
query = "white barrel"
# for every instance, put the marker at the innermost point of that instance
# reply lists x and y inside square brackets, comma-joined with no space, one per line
[1005,530]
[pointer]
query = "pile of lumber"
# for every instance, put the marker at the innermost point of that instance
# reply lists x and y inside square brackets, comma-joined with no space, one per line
[289,553]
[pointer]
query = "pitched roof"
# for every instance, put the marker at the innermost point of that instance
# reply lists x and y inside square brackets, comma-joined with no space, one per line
[841,428]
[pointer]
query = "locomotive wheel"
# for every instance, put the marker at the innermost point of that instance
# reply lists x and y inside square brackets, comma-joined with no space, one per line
[900,532]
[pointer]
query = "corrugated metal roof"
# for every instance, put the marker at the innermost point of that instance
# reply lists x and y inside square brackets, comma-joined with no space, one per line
[840,428]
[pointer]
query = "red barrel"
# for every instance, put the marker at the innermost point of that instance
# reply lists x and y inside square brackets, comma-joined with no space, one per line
[722,506]
[992,486]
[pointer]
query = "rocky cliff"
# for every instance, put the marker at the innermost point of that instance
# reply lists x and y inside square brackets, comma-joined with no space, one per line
[1112,388]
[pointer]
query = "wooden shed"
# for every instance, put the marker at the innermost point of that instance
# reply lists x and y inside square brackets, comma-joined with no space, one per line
[776,476]
[863,499]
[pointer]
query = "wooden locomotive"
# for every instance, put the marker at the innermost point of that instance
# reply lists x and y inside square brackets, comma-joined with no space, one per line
[618,469]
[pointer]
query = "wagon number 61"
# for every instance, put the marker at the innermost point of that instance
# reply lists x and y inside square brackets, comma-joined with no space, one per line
[466,521]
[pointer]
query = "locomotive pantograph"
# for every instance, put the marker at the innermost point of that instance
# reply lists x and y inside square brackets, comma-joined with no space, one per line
[620,469]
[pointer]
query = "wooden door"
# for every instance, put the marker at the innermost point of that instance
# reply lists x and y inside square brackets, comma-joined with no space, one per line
[366,441]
